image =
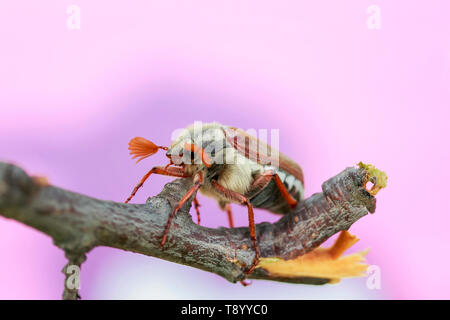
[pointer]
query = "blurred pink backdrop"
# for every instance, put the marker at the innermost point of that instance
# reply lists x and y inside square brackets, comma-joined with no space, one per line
[339,93]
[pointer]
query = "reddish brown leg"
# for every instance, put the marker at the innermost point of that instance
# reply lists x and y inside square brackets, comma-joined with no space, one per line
[230,215]
[264,179]
[196,206]
[284,192]
[232,195]
[198,180]
[167,171]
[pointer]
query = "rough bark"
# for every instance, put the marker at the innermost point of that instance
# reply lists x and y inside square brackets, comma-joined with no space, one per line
[78,223]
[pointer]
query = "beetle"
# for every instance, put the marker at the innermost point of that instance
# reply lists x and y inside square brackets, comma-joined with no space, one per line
[229,165]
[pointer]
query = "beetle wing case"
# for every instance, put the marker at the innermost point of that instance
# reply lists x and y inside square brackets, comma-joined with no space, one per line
[249,146]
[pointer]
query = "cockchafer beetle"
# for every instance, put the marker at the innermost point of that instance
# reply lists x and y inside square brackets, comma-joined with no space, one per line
[229,165]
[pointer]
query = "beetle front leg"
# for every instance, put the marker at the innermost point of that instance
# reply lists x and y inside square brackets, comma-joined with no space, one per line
[198,181]
[166,171]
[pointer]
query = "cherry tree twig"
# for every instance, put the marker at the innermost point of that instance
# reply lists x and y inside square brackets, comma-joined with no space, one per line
[78,223]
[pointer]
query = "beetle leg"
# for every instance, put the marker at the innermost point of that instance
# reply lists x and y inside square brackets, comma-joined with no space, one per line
[196,206]
[230,215]
[235,196]
[167,171]
[226,206]
[284,191]
[263,180]
[198,180]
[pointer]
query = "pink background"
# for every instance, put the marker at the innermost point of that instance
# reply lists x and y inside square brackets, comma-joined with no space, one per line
[339,93]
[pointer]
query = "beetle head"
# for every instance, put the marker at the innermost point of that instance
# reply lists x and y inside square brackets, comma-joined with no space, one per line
[188,153]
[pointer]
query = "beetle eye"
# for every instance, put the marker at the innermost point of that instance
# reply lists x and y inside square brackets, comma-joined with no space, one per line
[185,155]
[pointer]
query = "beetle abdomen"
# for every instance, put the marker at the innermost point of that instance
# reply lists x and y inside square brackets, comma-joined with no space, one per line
[270,197]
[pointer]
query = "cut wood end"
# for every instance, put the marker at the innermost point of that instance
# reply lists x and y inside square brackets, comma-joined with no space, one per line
[375,176]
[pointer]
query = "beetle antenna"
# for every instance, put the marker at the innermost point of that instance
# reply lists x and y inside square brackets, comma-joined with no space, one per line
[142,148]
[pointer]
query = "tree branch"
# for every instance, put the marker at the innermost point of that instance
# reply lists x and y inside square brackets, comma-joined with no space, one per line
[78,223]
